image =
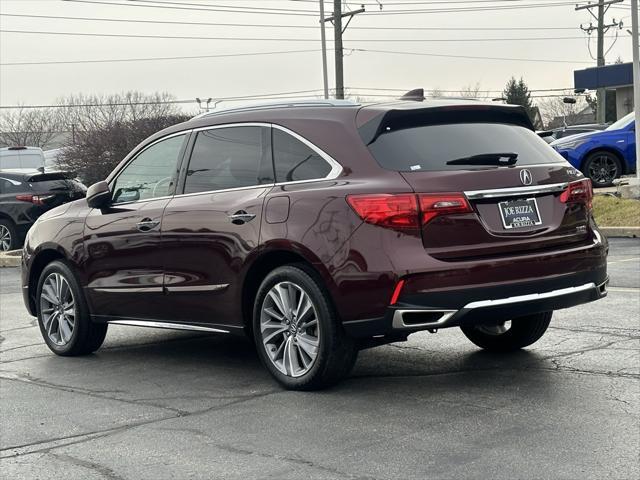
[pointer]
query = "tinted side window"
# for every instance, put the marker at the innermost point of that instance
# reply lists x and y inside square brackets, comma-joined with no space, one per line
[296,161]
[226,158]
[151,174]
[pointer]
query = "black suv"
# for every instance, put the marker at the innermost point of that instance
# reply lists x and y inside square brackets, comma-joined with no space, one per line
[27,194]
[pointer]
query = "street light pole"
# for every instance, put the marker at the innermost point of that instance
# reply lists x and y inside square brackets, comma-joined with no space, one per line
[636,78]
[324,51]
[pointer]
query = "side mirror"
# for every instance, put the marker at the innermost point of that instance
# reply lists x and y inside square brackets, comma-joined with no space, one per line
[99,195]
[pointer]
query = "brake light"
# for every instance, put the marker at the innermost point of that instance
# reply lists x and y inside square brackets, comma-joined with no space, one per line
[35,199]
[436,204]
[578,192]
[407,211]
[391,211]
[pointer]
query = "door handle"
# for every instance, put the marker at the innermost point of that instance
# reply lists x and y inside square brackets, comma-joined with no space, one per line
[241,217]
[147,224]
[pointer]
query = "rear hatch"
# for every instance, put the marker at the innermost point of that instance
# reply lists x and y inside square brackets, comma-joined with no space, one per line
[487,185]
[53,189]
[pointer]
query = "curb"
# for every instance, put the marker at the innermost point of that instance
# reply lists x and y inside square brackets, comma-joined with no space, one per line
[627,232]
[12,258]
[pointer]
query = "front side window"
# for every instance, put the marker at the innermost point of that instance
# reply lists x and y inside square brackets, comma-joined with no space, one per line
[228,157]
[151,174]
[295,161]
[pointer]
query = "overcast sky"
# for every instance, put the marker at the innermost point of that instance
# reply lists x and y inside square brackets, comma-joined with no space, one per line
[290,72]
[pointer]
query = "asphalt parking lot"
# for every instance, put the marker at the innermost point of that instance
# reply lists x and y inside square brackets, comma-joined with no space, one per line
[157,404]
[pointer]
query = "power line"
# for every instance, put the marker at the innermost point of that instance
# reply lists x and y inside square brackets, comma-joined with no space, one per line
[425,54]
[175,7]
[280,39]
[283,95]
[262,25]
[232,9]
[148,59]
[231,55]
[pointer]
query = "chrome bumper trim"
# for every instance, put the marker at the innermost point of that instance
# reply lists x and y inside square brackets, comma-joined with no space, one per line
[169,326]
[529,297]
[516,191]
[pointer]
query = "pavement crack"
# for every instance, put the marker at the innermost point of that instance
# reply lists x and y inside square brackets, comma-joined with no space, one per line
[96,467]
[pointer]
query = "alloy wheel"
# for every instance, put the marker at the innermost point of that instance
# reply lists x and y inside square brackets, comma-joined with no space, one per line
[495,329]
[57,307]
[603,169]
[5,239]
[289,329]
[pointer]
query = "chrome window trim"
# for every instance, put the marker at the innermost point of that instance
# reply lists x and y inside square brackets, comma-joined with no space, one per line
[336,168]
[516,191]
[114,175]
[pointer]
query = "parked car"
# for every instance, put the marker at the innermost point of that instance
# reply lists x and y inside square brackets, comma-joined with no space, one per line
[322,228]
[21,157]
[602,156]
[562,132]
[27,194]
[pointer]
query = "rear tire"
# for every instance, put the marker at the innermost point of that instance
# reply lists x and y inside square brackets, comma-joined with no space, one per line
[8,235]
[523,331]
[602,168]
[297,333]
[63,315]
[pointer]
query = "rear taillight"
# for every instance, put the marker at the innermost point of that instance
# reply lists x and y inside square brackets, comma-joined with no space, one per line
[35,199]
[436,204]
[578,192]
[392,211]
[407,211]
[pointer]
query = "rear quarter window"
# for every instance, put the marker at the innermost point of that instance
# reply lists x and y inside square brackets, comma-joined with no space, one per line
[429,148]
[295,161]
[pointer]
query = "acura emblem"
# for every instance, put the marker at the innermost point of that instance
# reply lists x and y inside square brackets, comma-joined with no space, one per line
[525,177]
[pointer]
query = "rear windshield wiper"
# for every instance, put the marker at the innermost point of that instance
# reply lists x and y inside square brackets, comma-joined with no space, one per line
[486,159]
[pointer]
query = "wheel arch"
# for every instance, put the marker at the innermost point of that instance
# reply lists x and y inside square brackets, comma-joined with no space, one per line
[40,260]
[271,258]
[600,148]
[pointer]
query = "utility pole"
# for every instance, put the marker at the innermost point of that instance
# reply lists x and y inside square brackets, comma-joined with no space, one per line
[635,32]
[325,81]
[336,19]
[603,6]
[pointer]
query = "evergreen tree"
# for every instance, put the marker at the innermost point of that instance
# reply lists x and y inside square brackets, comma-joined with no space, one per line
[517,93]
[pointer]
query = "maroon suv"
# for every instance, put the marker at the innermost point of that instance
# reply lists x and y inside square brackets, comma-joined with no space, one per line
[321,228]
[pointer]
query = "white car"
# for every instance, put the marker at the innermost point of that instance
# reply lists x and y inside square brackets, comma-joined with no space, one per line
[21,157]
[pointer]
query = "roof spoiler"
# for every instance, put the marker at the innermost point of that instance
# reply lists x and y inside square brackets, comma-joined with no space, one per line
[416,95]
[401,118]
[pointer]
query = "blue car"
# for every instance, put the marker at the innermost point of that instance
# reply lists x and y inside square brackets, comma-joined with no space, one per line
[602,156]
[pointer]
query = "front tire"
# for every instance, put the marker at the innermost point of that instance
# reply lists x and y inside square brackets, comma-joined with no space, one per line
[297,331]
[509,336]
[63,315]
[602,168]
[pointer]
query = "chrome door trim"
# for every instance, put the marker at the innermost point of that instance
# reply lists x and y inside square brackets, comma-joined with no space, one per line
[516,191]
[166,325]
[197,288]
[128,289]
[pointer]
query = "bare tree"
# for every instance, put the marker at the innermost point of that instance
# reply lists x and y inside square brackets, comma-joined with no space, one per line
[555,112]
[109,127]
[29,127]
[437,93]
[472,91]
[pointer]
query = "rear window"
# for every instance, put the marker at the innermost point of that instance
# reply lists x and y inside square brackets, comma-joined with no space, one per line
[429,148]
[21,159]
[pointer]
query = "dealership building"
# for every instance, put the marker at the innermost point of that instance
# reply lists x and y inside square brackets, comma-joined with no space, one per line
[617,79]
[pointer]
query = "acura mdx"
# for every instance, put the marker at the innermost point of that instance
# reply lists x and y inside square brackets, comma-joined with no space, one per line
[321,228]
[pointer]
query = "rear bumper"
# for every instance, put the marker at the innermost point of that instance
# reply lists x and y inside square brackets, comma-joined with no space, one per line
[482,305]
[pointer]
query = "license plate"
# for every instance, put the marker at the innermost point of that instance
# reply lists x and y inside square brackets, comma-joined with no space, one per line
[520,213]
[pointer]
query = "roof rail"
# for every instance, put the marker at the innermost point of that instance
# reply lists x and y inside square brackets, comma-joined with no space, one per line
[281,104]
